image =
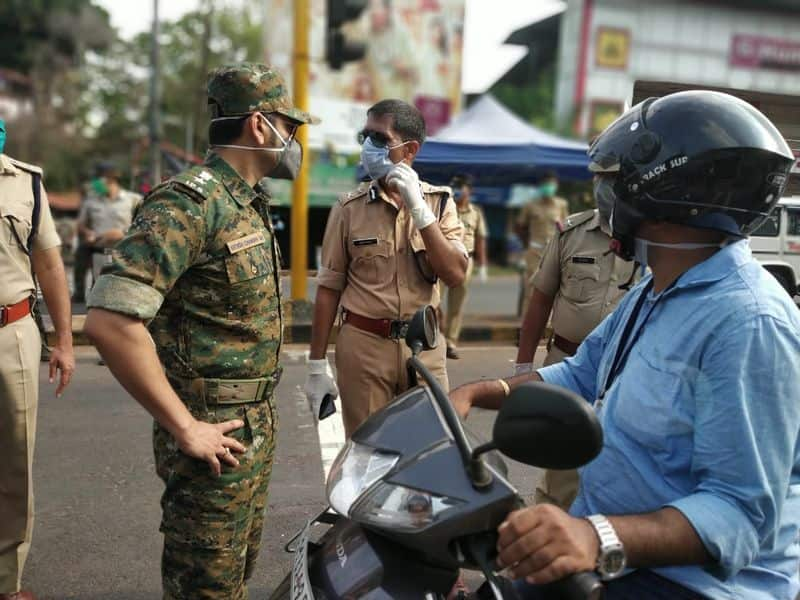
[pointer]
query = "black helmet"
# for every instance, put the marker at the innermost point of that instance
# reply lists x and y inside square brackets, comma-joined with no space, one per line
[699,158]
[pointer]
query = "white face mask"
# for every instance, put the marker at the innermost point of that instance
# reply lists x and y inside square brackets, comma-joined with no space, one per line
[640,246]
[376,160]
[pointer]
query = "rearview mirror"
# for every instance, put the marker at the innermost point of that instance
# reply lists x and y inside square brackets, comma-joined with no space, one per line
[548,427]
[422,330]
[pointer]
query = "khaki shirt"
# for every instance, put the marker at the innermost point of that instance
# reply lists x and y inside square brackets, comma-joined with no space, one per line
[199,264]
[103,214]
[474,224]
[542,219]
[16,210]
[582,276]
[370,252]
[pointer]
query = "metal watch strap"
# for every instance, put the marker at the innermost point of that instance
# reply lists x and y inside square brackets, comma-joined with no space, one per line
[609,541]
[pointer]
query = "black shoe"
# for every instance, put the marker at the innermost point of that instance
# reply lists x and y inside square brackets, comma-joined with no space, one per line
[453,353]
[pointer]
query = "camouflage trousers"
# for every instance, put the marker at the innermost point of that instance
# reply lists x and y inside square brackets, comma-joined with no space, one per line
[212,525]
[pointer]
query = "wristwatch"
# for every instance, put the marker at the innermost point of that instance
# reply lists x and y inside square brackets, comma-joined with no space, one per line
[611,559]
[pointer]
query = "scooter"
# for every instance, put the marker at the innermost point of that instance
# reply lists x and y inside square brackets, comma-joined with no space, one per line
[413,498]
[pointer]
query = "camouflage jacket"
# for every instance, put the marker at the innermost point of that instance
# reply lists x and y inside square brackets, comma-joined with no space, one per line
[200,263]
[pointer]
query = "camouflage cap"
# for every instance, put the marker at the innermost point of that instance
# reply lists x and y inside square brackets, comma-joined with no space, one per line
[249,87]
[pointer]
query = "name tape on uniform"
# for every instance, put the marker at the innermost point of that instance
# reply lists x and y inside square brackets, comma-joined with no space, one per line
[365,241]
[586,260]
[243,243]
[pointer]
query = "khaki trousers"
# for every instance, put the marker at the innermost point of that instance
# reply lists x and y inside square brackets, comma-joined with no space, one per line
[371,371]
[533,257]
[558,487]
[456,298]
[20,349]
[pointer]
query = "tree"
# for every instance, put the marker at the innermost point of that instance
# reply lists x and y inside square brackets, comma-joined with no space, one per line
[90,87]
[47,40]
[534,102]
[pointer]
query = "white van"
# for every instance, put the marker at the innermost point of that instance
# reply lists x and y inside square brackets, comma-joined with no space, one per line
[776,244]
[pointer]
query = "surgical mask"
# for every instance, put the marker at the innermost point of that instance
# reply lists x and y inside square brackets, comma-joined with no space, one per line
[548,189]
[641,245]
[2,135]
[376,160]
[290,166]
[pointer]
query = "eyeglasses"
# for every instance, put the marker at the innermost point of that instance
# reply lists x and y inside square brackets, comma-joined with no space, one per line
[380,140]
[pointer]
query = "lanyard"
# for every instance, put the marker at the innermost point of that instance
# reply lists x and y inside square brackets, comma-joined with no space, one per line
[624,348]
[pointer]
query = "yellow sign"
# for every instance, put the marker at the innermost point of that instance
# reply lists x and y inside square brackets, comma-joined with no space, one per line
[612,48]
[603,114]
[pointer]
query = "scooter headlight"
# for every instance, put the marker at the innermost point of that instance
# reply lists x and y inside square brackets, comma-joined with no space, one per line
[355,470]
[398,508]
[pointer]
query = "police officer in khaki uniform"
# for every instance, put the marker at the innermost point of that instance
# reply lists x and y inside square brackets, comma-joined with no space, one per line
[581,281]
[20,346]
[537,223]
[385,245]
[471,217]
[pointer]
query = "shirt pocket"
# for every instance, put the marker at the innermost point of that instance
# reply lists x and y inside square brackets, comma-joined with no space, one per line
[579,278]
[18,218]
[248,264]
[652,406]
[370,262]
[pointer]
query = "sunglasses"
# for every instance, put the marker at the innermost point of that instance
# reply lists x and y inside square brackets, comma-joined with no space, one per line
[380,140]
[291,126]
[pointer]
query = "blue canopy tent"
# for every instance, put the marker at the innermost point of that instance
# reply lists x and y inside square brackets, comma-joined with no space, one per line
[499,149]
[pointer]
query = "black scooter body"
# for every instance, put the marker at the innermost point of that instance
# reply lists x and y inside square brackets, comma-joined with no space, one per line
[353,562]
[416,502]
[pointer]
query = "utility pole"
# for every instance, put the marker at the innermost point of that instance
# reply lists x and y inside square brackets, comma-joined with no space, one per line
[300,189]
[200,106]
[155,102]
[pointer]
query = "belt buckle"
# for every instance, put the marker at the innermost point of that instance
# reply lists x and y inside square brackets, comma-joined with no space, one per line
[398,330]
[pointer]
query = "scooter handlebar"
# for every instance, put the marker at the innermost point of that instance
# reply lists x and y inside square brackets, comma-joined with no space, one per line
[579,586]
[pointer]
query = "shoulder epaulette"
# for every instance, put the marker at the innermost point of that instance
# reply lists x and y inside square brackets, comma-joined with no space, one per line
[25,166]
[576,220]
[427,188]
[199,179]
[359,192]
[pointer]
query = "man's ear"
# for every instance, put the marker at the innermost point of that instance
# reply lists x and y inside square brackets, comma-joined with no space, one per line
[412,148]
[254,128]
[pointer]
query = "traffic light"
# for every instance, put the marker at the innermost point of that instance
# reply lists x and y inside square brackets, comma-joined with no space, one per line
[338,49]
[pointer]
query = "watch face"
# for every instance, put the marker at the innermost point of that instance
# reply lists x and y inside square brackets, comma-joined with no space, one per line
[613,563]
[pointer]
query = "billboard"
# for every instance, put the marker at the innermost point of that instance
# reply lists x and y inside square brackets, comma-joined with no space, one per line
[414,53]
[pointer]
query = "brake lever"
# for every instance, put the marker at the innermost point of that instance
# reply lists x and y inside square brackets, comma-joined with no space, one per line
[481,548]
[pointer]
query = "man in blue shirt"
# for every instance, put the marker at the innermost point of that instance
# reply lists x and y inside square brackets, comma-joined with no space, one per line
[696,493]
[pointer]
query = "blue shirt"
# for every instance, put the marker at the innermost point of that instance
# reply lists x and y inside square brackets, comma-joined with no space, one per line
[704,417]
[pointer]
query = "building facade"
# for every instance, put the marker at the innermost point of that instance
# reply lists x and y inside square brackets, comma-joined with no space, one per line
[605,46]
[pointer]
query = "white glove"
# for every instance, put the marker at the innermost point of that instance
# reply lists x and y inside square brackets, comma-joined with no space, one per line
[483,274]
[319,383]
[523,368]
[406,180]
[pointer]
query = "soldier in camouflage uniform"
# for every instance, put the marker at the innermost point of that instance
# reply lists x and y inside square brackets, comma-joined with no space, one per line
[199,265]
